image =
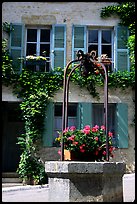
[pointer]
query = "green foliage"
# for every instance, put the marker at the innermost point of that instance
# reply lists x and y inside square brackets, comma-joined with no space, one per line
[126,12]
[8,75]
[7,27]
[131,46]
[30,167]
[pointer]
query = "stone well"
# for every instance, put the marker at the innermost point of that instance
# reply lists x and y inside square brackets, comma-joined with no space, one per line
[76,181]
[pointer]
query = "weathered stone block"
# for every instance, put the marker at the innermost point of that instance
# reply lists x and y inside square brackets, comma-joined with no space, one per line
[74,181]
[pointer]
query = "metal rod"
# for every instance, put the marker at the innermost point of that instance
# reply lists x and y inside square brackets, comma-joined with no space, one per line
[63,107]
[106,109]
[67,91]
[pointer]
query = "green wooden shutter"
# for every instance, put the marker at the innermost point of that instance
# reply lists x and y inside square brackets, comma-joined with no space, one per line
[84,114]
[122,54]
[122,125]
[78,39]
[58,46]
[48,127]
[16,45]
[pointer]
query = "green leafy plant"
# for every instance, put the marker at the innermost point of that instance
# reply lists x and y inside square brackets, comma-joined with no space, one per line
[31,168]
[87,140]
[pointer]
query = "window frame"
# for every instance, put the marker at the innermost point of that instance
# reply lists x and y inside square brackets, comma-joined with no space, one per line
[115,140]
[38,43]
[99,44]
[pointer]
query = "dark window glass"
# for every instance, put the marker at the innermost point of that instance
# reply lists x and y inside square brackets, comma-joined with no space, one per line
[93,36]
[45,35]
[106,49]
[106,36]
[45,48]
[72,110]
[31,49]
[93,47]
[31,35]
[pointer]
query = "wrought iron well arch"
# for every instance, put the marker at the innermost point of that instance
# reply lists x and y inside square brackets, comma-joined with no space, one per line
[88,62]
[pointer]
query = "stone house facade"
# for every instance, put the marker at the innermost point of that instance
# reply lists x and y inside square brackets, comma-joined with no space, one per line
[68,27]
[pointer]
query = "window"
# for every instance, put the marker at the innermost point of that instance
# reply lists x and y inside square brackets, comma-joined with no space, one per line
[83,113]
[98,118]
[38,44]
[105,40]
[72,117]
[51,39]
[100,40]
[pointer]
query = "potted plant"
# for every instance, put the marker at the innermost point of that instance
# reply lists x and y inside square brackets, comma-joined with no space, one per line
[31,170]
[35,60]
[87,144]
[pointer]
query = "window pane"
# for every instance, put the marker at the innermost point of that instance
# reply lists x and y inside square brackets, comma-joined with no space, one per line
[45,35]
[72,121]
[31,35]
[46,48]
[93,36]
[58,122]
[93,47]
[16,36]
[72,110]
[79,37]
[106,49]
[106,36]
[59,37]
[31,49]
[98,118]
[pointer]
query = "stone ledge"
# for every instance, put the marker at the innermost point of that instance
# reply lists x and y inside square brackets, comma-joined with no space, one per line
[84,167]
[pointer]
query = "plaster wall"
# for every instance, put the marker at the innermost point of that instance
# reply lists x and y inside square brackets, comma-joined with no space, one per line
[48,13]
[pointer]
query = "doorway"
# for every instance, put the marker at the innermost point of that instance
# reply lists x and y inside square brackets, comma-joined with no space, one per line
[12,127]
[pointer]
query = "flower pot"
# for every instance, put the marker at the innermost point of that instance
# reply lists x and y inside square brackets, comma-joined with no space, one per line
[78,156]
[30,181]
[35,62]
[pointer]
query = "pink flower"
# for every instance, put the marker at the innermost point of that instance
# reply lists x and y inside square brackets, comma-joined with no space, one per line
[94,129]
[111,149]
[59,152]
[96,138]
[104,153]
[110,134]
[71,138]
[75,143]
[102,127]
[86,131]
[66,130]
[87,127]
[96,126]
[81,148]
[72,128]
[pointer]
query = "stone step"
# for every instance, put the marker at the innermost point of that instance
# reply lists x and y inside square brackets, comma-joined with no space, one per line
[10,177]
[11,180]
